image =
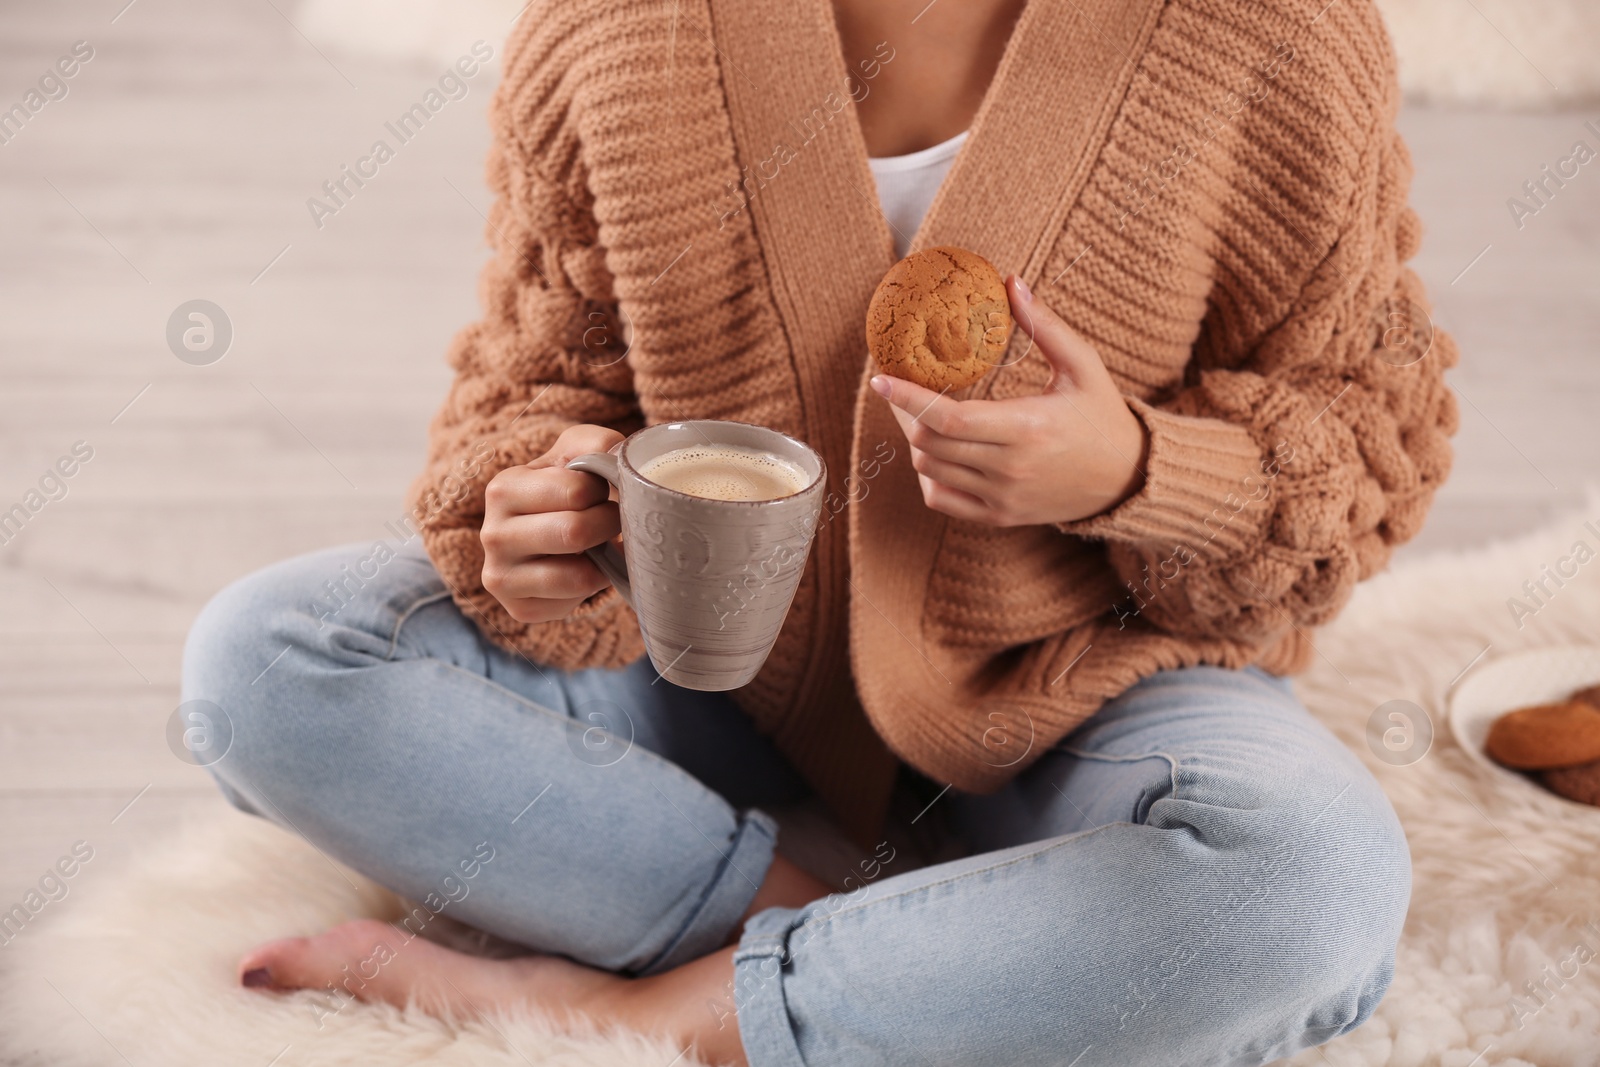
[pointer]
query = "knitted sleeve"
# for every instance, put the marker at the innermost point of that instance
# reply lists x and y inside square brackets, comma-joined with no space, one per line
[548,353]
[1278,480]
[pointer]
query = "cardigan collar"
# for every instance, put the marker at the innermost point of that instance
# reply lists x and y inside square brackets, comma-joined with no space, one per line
[789,95]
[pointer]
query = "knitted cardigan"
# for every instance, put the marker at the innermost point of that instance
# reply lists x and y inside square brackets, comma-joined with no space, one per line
[1212,192]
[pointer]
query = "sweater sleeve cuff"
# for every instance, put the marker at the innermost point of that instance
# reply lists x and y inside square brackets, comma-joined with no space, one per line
[1205,485]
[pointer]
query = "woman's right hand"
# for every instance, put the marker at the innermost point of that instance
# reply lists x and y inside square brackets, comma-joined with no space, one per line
[538,520]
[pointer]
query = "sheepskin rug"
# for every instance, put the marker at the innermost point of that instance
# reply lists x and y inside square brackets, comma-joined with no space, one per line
[1505,53]
[1496,967]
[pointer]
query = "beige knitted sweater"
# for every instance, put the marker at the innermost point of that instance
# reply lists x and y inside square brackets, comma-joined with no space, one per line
[1212,193]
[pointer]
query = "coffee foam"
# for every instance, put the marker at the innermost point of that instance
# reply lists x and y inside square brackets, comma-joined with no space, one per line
[725,472]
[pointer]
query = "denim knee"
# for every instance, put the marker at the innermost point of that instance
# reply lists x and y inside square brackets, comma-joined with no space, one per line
[253,653]
[1333,882]
[233,644]
[1369,920]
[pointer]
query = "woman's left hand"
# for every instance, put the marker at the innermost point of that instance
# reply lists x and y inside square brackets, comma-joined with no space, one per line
[1074,451]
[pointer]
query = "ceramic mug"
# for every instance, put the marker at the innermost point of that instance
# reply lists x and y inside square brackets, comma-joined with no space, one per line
[711,580]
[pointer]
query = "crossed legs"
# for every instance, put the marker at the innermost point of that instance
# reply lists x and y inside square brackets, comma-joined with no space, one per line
[1201,874]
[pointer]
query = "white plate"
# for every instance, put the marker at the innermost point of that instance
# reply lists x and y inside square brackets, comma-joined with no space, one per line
[1539,676]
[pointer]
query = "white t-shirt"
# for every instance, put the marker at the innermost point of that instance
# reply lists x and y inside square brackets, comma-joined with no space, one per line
[907,184]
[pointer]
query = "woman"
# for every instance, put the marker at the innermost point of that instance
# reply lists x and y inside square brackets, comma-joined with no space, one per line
[1061,605]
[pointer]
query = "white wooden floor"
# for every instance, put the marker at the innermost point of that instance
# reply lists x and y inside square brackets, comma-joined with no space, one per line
[178,167]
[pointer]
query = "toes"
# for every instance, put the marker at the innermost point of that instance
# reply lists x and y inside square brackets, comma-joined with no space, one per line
[373,961]
[348,956]
[274,965]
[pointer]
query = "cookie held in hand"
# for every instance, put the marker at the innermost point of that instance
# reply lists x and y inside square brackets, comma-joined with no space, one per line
[939,318]
[1546,736]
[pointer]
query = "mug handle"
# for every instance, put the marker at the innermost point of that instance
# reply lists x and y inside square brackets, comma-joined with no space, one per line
[608,557]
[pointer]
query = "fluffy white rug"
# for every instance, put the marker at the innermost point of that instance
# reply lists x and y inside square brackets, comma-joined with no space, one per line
[1506,879]
[143,973]
[1510,53]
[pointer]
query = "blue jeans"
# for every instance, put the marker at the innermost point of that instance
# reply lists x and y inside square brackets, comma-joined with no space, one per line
[1201,874]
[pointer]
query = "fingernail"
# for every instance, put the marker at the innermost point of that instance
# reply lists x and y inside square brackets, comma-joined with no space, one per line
[1023,291]
[256,978]
[880,385]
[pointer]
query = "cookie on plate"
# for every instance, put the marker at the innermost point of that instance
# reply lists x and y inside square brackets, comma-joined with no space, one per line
[1590,695]
[939,318]
[1580,783]
[1546,736]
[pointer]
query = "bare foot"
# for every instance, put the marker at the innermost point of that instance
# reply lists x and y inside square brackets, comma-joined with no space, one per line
[373,961]
[370,960]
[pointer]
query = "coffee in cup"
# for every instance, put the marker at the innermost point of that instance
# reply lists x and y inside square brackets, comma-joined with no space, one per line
[725,472]
[718,519]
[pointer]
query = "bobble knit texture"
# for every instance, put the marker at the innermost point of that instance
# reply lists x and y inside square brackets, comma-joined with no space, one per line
[1213,194]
